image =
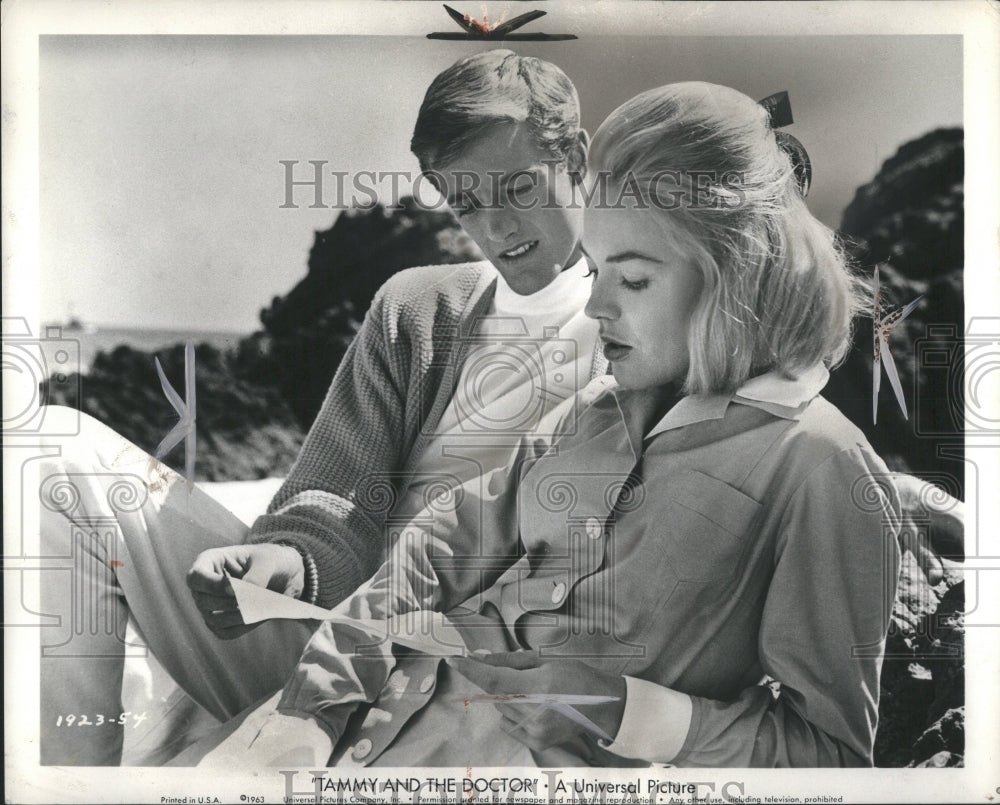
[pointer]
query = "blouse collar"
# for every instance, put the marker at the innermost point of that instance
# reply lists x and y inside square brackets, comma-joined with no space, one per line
[778,395]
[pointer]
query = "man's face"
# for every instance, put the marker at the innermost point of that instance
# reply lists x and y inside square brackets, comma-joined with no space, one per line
[517,205]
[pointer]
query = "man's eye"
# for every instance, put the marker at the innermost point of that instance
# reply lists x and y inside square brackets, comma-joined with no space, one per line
[522,185]
[635,285]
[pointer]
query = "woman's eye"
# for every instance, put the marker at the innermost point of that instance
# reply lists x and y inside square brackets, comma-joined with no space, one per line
[635,285]
[591,271]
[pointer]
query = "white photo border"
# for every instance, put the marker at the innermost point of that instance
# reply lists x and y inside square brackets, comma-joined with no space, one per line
[978,23]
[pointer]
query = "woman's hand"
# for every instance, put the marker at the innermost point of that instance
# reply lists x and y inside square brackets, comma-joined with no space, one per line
[933,525]
[537,725]
[274,567]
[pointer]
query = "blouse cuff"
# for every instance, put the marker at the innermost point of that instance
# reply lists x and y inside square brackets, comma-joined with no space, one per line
[655,724]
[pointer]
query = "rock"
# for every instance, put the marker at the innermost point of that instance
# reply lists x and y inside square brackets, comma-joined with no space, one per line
[947,734]
[916,600]
[923,674]
[946,652]
[244,430]
[906,694]
[910,219]
[256,402]
[352,259]
[307,332]
[940,760]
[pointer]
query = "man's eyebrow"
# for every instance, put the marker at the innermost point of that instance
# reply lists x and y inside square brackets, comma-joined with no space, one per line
[501,182]
[505,179]
[623,257]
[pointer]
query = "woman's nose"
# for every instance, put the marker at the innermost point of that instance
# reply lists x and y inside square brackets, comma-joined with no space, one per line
[601,304]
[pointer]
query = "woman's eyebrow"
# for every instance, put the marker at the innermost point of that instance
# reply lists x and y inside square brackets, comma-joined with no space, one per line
[622,257]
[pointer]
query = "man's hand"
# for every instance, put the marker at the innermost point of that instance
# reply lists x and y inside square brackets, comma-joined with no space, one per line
[524,672]
[275,567]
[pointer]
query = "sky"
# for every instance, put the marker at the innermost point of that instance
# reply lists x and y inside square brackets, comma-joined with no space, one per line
[161,183]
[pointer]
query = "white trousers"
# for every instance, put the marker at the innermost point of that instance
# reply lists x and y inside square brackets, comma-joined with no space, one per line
[132,528]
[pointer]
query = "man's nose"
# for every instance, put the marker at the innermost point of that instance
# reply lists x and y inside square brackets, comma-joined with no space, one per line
[501,224]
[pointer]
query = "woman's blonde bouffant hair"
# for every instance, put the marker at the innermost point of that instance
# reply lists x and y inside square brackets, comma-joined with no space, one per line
[778,294]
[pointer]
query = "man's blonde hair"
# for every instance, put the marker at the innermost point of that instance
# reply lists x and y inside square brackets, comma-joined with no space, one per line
[467,100]
[778,295]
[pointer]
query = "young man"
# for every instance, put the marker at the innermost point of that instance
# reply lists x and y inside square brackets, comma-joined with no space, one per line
[451,368]
[453,363]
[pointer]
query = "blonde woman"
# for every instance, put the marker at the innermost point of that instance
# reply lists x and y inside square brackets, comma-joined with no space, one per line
[707,523]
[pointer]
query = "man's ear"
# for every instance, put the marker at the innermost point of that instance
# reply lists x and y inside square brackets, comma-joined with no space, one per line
[576,157]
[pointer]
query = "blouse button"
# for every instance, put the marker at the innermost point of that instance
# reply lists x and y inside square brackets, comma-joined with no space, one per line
[362,749]
[396,681]
[558,592]
[594,529]
[426,683]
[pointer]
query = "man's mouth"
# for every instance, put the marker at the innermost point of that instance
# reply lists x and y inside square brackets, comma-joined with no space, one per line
[519,251]
[614,350]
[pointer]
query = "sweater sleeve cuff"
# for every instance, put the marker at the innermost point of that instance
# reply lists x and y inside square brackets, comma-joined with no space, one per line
[656,724]
[310,590]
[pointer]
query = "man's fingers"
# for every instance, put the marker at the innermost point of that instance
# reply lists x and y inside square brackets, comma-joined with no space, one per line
[203,576]
[209,585]
[207,574]
[259,573]
[235,564]
[207,602]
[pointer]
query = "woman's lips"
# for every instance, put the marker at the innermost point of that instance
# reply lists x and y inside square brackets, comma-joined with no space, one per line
[616,352]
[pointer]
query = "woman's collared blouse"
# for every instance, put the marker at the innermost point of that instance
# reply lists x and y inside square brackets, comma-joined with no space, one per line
[733,537]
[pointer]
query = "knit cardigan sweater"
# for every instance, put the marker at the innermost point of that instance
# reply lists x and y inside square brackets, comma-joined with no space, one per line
[381,410]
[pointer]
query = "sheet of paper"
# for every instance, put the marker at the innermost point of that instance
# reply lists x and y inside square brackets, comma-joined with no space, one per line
[422,630]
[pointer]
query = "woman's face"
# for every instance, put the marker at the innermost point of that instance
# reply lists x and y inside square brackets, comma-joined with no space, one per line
[644,292]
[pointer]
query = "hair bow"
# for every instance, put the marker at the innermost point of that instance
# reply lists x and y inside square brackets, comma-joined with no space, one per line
[779,112]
